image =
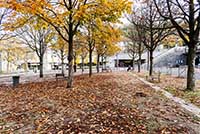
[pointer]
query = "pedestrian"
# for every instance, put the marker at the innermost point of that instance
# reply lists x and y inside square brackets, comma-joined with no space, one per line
[129,68]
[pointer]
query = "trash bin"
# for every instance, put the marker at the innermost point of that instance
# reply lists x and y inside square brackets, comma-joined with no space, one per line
[15,80]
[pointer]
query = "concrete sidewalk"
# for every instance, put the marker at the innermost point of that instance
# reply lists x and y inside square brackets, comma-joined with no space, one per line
[179,72]
[34,77]
[186,105]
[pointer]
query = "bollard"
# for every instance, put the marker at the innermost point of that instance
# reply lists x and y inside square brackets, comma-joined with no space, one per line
[15,80]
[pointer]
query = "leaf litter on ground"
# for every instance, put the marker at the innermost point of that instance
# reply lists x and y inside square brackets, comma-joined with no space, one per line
[105,103]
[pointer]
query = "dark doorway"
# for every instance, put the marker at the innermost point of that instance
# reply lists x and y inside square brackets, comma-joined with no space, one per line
[123,63]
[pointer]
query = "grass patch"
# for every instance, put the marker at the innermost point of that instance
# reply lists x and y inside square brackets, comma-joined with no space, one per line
[189,96]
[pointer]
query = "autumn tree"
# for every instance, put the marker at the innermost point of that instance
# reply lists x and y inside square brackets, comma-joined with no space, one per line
[141,47]
[133,43]
[100,36]
[185,17]
[131,49]
[81,48]
[60,48]
[37,35]
[83,54]
[4,13]
[93,33]
[13,53]
[154,27]
[110,50]
[106,42]
[100,51]
[67,15]
[139,38]
[78,47]
[101,47]
[89,34]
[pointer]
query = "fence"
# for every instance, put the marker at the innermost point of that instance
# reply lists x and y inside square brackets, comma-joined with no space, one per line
[180,71]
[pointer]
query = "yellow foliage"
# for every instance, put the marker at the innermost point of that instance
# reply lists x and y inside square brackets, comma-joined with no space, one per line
[172,40]
[107,39]
[108,10]
[98,15]
[12,51]
[60,44]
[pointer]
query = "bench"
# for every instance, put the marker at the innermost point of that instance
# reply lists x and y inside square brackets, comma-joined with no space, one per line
[106,70]
[60,76]
[155,77]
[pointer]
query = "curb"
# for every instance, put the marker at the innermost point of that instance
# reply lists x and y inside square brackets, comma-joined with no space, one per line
[186,105]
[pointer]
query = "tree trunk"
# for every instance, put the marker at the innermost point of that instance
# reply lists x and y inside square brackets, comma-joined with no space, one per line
[82,64]
[8,66]
[133,60]
[75,65]
[102,62]
[8,63]
[117,61]
[151,63]
[105,62]
[62,63]
[148,60]
[98,57]
[90,60]
[41,66]
[70,59]
[191,67]
[139,62]
[139,59]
